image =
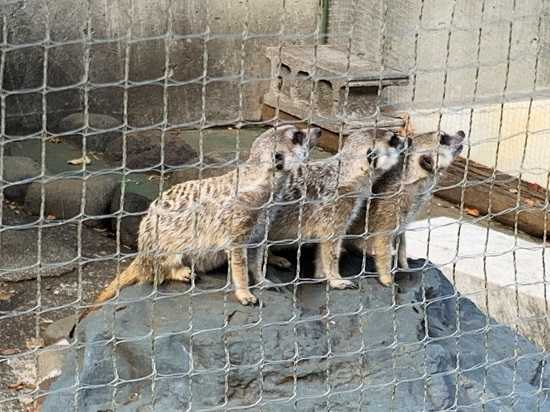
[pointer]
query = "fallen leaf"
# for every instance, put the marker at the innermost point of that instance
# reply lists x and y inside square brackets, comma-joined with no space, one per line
[20,385]
[6,294]
[80,160]
[7,352]
[34,343]
[472,211]
[54,140]
[50,217]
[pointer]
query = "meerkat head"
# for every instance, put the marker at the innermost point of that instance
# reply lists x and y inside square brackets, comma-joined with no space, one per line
[434,152]
[284,148]
[373,150]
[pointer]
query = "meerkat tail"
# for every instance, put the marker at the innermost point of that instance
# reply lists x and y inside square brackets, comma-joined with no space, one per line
[127,278]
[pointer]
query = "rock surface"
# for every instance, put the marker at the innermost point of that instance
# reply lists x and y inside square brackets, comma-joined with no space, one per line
[135,204]
[63,197]
[95,139]
[18,174]
[341,350]
[143,149]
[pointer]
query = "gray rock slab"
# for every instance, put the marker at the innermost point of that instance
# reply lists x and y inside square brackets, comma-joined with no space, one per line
[63,197]
[304,349]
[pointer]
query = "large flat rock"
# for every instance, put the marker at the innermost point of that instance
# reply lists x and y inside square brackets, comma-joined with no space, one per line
[302,349]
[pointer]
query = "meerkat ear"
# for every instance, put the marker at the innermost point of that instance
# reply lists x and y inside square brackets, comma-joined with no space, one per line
[427,163]
[461,134]
[314,135]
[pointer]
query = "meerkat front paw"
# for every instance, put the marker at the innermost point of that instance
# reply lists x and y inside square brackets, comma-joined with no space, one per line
[245,297]
[182,274]
[386,280]
[341,284]
[279,261]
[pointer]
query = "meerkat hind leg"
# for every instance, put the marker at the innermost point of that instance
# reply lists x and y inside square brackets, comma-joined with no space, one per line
[327,265]
[239,276]
[402,252]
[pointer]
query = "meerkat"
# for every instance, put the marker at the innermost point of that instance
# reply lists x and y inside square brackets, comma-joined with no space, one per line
[201,224]
[398,195]
[331,190]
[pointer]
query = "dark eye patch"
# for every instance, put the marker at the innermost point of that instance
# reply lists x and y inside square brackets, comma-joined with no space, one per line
[372,158]
[298,137]
[395,141]
[445,139]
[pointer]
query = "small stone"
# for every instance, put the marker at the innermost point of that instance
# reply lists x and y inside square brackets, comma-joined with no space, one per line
[19,169]
[144,148]
[58,330]
[94,141]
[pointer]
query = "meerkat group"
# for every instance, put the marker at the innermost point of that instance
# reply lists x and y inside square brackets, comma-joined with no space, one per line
[369,191]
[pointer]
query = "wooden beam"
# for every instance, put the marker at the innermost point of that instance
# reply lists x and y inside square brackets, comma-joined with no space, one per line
[502,197]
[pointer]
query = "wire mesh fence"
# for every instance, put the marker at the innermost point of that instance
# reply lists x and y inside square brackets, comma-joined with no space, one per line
[334,205]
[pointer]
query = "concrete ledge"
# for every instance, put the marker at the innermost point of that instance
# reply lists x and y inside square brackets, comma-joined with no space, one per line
[504,275]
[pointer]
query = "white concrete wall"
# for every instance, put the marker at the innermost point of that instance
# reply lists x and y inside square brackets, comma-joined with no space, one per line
[504,275]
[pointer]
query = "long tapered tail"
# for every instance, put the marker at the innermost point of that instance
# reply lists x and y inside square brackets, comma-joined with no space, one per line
[129,277]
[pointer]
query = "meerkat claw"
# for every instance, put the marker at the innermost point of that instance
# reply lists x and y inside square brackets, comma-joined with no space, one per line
[341,284]
[245,297]
[386,280]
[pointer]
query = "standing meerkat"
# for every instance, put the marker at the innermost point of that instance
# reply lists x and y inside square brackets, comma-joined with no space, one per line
[204,223]
[398,196]
[333,190]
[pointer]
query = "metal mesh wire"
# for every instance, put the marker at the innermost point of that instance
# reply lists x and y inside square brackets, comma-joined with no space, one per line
[166,73]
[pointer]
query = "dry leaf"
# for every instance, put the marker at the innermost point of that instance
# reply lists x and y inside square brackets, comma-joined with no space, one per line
[472,211]
[6,294]
[54,140]
[34,343]
[20,385]
[50,217]
[80,160]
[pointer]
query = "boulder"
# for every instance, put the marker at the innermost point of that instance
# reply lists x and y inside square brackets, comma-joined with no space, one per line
[95,139]
[206,351]
[134,203]
[63,197]
[143,149]
[18,174]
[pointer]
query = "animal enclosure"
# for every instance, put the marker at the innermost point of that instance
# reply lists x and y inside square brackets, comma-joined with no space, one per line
[394,220]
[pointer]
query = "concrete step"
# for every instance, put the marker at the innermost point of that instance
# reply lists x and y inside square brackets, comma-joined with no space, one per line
[329,87]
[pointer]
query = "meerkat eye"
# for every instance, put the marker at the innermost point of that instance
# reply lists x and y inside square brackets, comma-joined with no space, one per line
[371,157]
[298,137]
[427,163]
[279,161]
[445,139]
[395,141]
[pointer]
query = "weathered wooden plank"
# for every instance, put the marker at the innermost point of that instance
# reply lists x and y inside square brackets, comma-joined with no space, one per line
[502,197]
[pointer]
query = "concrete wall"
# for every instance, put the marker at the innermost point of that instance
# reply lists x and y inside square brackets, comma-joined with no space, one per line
[145,22]
[387,30]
